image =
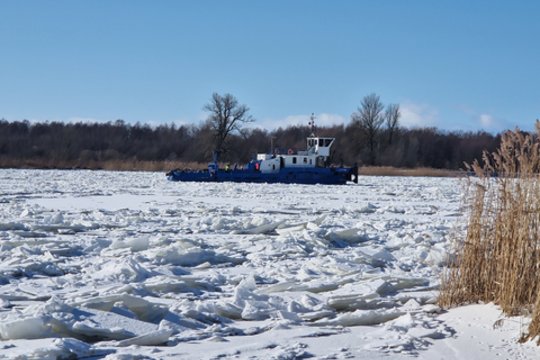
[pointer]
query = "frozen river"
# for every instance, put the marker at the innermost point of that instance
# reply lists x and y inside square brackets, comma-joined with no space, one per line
[119,264]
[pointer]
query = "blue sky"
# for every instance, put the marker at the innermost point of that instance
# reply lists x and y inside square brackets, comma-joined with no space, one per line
[456,65]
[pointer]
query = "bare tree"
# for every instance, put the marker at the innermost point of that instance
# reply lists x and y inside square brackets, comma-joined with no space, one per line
[370,118]
[226,116]
[392,116]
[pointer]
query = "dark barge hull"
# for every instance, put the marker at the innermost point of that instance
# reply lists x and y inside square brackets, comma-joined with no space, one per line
[327,176]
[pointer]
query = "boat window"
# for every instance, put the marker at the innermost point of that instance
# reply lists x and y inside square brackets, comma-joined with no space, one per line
[311,142]
[305,160]
[294,160]
[310,161]
[327,142]
[273,166]
[321,142]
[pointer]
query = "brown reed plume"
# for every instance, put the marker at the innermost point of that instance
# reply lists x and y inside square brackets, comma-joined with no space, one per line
[499,258]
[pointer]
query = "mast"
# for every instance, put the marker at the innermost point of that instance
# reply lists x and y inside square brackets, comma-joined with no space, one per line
[312,124]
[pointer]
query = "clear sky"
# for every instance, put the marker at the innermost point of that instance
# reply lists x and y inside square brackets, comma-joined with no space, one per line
[456,65]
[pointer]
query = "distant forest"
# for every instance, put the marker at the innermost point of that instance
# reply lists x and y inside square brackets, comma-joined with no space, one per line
[91,145]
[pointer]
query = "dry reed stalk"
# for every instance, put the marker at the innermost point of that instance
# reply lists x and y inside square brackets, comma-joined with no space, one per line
[499,258]
[534,326]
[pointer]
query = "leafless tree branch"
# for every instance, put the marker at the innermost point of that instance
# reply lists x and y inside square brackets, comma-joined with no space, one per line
[392,115]
[369,117]
[226,116]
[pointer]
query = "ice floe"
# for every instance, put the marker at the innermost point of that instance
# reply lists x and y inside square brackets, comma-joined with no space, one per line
[123,265]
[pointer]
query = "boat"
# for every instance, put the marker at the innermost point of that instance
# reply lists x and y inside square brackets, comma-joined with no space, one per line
[310,166]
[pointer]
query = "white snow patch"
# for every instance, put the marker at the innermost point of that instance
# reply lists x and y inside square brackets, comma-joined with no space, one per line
[120,265]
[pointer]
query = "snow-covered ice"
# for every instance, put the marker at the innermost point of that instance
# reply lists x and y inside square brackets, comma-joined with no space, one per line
[119,265]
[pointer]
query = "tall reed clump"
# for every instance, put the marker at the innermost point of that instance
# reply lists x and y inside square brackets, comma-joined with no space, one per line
[499,259]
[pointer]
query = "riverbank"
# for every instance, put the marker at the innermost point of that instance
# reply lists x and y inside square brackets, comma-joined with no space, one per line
[166,165]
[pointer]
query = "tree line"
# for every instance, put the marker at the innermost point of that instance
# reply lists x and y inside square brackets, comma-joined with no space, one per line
[372,137]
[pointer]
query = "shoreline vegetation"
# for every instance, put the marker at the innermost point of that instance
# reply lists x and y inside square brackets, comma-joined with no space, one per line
[167,165]
[122,146]
[499,257]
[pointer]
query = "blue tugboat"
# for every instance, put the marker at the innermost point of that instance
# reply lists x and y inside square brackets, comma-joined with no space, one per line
[301,167]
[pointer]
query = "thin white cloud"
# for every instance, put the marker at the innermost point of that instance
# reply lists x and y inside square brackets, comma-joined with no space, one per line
[155,123]
[491,122]
[202,116]
[70,120]
[325,119]
[487,121]
[418,115]
[85,120]
[90,120]
[150,122]
[321,120]
[483,120]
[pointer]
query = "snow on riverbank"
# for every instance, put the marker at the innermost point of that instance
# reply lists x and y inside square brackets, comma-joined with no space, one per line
[111,264]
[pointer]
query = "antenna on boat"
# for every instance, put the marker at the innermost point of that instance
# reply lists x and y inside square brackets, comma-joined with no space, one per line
[312,124]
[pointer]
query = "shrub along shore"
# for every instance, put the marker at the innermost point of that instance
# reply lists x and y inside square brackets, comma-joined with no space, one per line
[122,146]
[499,257]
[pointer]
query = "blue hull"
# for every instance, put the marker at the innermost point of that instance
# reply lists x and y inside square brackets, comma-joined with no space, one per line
[328,176]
